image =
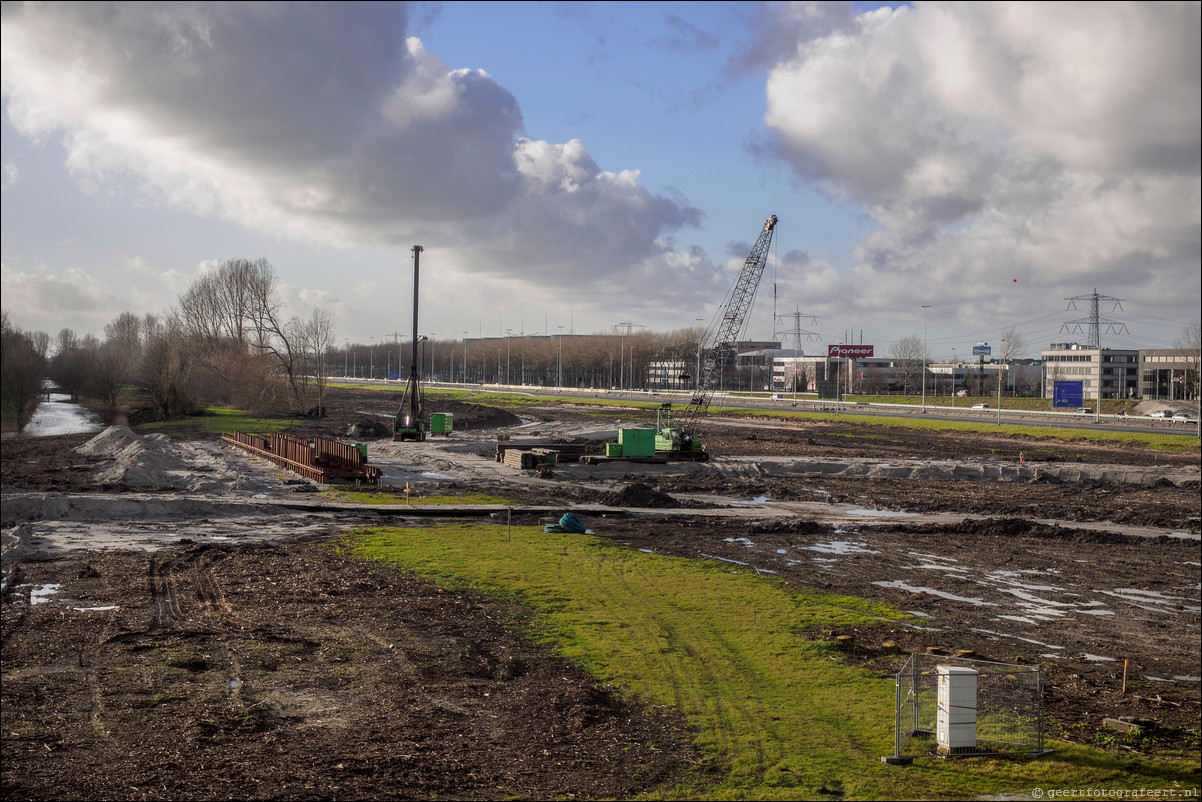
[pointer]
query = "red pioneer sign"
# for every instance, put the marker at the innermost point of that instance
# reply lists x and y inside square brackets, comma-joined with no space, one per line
[849,351]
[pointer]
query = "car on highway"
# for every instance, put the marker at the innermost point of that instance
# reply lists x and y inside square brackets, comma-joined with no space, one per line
[1182,416]
[1084,411]
[980,406]
[1160,413]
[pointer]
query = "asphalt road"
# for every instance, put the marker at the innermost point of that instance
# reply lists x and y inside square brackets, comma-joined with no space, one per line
[933,411]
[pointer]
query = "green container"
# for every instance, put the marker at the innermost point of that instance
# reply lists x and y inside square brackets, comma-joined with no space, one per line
[362,449]
[637,442]
[441,422]
[613,450]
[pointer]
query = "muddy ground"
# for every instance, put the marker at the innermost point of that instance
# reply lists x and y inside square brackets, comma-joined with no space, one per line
[243,655]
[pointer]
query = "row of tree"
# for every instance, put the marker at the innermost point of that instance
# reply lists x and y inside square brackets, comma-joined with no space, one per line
[227,341]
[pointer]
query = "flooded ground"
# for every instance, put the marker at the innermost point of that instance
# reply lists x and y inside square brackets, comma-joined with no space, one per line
[59,415]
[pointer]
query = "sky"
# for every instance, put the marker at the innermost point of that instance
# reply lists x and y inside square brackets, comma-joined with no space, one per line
[940,170]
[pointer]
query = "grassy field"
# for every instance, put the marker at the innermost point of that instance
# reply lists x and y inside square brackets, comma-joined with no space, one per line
[222,420]
[777,715]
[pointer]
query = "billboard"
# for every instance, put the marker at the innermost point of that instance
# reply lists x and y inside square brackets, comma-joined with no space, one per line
[981,349]
[849,351]
[1067,394]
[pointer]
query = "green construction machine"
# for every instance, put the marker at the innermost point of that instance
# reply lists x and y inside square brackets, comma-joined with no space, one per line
[676,437]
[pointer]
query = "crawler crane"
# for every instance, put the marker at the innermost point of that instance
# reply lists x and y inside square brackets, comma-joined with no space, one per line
[676,436]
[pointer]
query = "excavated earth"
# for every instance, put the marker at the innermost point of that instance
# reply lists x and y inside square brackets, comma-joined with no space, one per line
[179,622]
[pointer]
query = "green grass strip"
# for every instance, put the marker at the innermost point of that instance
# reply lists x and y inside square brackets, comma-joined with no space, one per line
[224,419]
[397,496]
[779,716]
[1160,441]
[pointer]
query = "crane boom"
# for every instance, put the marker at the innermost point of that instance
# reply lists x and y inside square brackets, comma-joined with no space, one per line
[717,351]
[678,434]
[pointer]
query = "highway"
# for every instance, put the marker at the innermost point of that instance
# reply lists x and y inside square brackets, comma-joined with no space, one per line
[960,412]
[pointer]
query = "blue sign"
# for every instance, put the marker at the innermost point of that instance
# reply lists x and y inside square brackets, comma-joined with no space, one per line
[981,349]
[394,375]
[1067,394]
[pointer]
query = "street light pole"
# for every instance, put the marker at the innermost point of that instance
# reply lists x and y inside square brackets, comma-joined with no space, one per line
[559,380]
[508,341]
[372,353]
[954,365]
[346,356]
[465,356]
[925,307]
[1001,373]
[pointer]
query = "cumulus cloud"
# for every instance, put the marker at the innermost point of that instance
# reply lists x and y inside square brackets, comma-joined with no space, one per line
[1057,143]
[321,121]
[42,298]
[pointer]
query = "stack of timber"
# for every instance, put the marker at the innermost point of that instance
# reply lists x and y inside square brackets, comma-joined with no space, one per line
[565,452]
[319,460]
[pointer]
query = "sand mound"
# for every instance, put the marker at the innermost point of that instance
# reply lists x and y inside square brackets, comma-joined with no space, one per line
[108,442]
[157,461]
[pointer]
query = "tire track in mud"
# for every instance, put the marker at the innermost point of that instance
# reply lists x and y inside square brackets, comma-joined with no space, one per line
[690,684]
[214,609]
[164,597]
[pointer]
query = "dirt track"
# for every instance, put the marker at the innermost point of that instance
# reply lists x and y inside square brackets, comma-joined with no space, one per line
[227,657]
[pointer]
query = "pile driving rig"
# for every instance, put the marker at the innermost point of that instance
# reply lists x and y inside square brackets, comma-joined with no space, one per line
[408,424]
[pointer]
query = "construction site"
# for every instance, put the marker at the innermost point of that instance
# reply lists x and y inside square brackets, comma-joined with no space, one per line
[189,614]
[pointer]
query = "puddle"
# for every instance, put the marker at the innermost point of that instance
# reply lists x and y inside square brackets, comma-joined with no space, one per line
[97,609]
[1098,658]
[1153,601]
[840,547]
[756,500]
[742,540]
[900,585]
[42,593]
[1004,577]
[1016,637]
[935,567]
[919,613]
[936,557]
[723,559]
[1186,678]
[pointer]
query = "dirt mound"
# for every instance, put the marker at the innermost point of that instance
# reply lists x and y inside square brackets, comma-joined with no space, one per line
[368,429]
[793,526]
[474,416]
[640,495]
[108,442]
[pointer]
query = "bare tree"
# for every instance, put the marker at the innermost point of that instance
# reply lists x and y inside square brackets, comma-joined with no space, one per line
[21,371]
[65,341]
[317,338]
[41,344]
[1014,346]
[908,355]
[167,369]
[69,370]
